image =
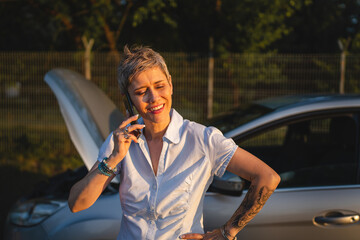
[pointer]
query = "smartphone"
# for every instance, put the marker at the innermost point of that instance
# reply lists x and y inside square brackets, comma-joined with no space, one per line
[130,108]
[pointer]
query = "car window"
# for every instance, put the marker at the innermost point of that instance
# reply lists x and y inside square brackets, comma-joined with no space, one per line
[238,116]
[312,152]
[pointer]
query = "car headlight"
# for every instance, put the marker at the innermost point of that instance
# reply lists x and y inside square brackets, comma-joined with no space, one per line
[33,212]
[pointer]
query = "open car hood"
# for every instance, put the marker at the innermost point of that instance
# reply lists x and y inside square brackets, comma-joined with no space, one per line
[88,113]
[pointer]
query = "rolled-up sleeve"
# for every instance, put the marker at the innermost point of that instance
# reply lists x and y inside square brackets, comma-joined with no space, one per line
[220,149]
[106,148]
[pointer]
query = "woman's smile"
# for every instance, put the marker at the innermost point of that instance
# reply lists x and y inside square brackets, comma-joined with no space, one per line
[157,109]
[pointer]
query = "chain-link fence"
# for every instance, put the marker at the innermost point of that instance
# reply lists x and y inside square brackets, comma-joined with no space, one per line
[30,114]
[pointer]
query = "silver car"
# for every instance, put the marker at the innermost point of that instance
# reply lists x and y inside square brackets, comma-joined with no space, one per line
[312,141]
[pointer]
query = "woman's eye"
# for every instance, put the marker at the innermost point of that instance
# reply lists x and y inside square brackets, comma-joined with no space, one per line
[160,86]
[140,93]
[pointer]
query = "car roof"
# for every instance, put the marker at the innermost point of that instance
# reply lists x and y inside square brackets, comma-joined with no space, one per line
[287,106]
[292,101]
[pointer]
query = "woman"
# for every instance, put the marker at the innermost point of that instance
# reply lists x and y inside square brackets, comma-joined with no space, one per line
[167,170]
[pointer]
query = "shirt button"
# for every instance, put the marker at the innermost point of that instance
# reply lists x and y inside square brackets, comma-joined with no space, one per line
[154,186]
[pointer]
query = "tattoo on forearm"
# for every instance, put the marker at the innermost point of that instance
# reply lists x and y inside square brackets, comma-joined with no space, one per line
[251,205]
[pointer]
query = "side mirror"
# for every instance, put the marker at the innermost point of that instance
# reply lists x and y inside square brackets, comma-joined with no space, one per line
[228,184]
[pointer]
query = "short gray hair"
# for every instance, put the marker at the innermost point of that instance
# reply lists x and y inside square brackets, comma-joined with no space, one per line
[136,60]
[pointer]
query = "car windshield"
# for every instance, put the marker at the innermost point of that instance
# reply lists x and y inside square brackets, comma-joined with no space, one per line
[238,116]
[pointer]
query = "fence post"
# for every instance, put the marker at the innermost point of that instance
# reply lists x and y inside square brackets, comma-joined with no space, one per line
[210,79]
[342,72]
[343,45]
[87,56]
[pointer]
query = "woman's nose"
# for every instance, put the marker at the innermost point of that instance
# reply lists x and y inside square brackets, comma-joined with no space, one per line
[153,95]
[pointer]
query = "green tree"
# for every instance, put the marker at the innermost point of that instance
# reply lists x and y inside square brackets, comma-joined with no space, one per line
[236,26]
[63,23]
[301,26]
[319,25]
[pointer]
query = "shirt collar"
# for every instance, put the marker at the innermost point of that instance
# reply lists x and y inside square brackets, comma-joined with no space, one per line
[173,131]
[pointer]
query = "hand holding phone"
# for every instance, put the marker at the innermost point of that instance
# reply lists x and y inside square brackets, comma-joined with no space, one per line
[130,108]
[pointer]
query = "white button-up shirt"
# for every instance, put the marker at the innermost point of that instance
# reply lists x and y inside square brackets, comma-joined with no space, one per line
[169,204]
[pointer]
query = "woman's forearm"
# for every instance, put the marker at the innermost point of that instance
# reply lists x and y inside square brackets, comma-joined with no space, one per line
[85,192]
[256,197]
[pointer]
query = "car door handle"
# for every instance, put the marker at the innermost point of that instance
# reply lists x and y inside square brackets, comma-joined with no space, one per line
[337,218]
